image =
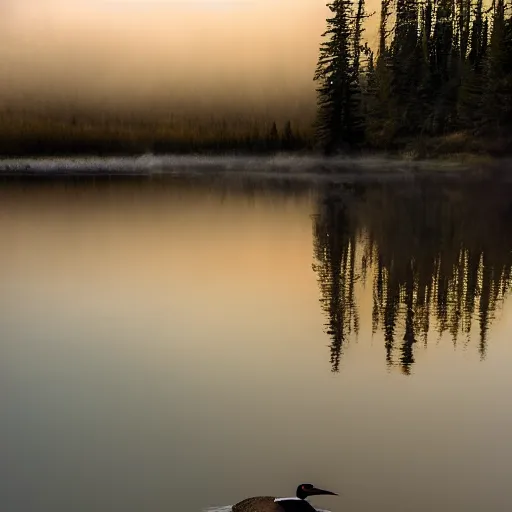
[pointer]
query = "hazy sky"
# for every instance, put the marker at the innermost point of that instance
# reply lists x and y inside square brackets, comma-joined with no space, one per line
[136,50]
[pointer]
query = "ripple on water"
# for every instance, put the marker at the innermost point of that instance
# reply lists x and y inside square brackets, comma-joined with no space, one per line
[227,508]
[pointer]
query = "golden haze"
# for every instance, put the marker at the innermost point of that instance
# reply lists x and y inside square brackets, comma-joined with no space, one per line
[200,54]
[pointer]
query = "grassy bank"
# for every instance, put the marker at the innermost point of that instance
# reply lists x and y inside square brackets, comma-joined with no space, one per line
[35,136]
[461,145]
[42,136]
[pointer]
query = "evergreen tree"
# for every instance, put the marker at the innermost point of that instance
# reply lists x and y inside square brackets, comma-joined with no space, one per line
[288,138]
[406,67]
[469,105]
[497,107]
[443,68]
[339,123]
[426,87]
[273,138]
[380,127]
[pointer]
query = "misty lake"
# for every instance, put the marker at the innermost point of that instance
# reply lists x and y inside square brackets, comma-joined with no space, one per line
[177,344]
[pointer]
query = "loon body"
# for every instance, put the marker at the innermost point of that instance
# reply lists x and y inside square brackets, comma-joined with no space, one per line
[272,504]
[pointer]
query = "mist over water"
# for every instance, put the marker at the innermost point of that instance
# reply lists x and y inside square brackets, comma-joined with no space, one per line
[315,167]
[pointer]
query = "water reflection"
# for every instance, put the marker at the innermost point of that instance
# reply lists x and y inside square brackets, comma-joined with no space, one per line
[438,260]
[162,344]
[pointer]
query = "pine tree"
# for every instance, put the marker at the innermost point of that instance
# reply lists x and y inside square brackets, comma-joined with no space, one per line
[442,70]
[425,94]
[339,124]
[380,126]
[464,15]
[406,67]
[358,32]
[273,138]
[470,94]
[288,138]
[497,108]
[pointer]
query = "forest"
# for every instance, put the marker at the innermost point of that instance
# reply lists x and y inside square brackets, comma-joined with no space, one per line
[443,68]
[438,84]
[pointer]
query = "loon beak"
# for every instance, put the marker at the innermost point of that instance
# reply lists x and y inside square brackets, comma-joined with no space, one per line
[316,491]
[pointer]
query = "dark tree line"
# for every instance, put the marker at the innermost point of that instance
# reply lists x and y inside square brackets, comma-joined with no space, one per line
[52,133]
[442,66]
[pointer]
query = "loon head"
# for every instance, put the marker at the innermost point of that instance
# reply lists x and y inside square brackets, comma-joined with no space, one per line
[305,490]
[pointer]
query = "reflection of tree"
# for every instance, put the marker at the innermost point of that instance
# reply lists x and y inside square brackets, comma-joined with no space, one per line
[439,256]
[336,256]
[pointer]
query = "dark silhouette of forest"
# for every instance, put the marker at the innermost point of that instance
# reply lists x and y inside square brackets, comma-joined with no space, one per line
[23,134]
[439,82]
[442,67]
[438,261]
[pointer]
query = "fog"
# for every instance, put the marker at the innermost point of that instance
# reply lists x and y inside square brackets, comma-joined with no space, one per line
[200,53]
[277,167]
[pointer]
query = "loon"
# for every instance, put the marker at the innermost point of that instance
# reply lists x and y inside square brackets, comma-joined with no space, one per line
[271,504]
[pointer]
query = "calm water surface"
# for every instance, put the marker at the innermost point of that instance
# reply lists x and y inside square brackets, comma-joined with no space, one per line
[177,345]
